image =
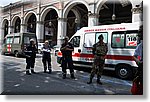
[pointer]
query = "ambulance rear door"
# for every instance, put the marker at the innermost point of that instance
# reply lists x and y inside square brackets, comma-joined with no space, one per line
[76,41]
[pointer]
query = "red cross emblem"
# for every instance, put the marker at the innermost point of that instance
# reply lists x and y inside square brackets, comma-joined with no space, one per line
[9,48]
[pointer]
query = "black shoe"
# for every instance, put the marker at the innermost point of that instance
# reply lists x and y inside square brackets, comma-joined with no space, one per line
[89,82]
[99,82]
[33,72]
[27,73]
[50,71]
[72,77]
[64,77]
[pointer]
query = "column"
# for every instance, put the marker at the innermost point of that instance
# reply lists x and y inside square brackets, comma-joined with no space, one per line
[40,31]
[92,19]
[62,23]
[22,26]
[137,14]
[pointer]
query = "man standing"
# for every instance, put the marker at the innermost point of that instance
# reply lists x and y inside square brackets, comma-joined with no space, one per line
[66,50]
[138,57]
[46,59]
[99,50]
[30,57]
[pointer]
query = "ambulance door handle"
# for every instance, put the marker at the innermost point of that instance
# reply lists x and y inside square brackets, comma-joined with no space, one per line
[79,50]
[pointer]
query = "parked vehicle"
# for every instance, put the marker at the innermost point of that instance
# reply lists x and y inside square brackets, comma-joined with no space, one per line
[40,46]
[56,49]
[121,39]
[16,43]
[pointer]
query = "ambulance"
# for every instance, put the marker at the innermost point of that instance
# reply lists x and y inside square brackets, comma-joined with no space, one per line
[121,39]
[16,43]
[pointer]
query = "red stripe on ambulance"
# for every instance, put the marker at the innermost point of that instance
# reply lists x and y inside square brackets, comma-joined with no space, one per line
[113,57]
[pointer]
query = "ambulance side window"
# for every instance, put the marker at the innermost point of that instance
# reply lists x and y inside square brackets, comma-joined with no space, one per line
[89,40]
[9,40]
[75,41]
[16,40]
[105,35]
[118,40]
[124,39]
[131,39]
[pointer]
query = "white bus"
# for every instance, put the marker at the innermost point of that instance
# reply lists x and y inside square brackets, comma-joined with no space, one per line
[121,39]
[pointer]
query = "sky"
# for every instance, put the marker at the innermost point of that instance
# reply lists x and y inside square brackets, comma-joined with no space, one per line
[7,2]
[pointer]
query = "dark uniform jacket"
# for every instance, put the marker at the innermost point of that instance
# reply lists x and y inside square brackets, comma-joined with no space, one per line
[30,53]
[67,53]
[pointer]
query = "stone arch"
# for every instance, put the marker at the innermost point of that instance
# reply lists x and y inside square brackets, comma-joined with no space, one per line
[27,16]
[72,4]
[101,2]
[46,10]
[30,26]
[4,30]
[3,22]
[110,15]
[13,22]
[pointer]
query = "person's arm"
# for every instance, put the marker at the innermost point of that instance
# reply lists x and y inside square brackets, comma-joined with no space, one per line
[94,49]
[71,48]
[63,48]
[106,48]
[136,54]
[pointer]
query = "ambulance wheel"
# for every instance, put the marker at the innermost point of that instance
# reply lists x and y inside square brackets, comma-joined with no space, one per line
[16,54]
[124,71]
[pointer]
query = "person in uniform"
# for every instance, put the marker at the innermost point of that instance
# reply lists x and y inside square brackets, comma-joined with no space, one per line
[66,50]
[99,50]
[138,58]
[46,58]
[30,53]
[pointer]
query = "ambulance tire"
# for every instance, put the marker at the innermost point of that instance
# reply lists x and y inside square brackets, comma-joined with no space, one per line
[124,71]
[16,54]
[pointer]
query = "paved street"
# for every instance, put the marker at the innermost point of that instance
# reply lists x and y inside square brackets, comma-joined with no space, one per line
[17,82]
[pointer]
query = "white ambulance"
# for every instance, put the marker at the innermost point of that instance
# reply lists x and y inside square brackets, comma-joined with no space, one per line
[121,39]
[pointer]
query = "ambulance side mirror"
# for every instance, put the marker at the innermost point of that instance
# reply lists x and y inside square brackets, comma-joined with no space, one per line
[79,50]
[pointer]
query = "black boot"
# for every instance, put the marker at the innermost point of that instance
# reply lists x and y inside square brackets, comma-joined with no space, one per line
[32,71]
[98,81]
[45,68]
[90,81]
[72,76]
[50,71]
[28,73]
[64,76]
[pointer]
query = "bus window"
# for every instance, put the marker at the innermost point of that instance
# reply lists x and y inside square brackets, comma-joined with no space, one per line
[16,40]
[75,41]
[88,41]
[105,35]
[9,40]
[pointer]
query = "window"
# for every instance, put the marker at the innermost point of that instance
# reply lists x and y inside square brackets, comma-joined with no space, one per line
[89,39]
[124,39]
[16,40]
[26,40]
[118,40]
[131,40]
[105,35]
[9,40]
[75,41]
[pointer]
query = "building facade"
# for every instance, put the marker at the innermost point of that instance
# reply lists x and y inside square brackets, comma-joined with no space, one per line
[53,19]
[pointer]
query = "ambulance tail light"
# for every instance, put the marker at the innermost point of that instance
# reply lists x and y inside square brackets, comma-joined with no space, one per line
[59,54]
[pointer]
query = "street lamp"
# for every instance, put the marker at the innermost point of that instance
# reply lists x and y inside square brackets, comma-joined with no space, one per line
[113,16]
[50,23]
